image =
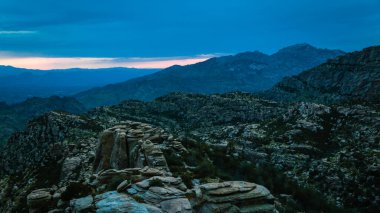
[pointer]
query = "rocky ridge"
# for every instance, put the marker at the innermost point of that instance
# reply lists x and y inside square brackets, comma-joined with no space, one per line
[353,76]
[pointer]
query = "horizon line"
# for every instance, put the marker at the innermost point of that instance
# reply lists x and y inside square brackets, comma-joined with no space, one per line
[58,63]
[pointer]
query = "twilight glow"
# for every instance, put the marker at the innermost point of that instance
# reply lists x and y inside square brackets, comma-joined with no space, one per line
[47,63]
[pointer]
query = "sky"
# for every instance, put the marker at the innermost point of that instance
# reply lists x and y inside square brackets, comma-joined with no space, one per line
[46,34]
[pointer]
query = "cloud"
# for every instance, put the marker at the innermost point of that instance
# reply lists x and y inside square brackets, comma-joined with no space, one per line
[120,28]
[47,63]
[16,32]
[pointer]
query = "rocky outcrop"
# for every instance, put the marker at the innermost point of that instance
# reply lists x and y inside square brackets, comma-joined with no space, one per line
[233,196]
[167,193]
[132,175]
[132,145]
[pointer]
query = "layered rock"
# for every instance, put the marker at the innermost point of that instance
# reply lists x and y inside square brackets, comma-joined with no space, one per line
[233,196]
[134,177]
[133,145]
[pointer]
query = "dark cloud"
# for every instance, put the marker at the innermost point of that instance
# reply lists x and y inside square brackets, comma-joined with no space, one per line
[151,28]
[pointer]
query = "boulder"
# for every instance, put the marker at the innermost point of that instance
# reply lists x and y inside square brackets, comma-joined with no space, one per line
[233,196]
[69,168]
[167,193]
[114,202]
[82,205]
[39,199]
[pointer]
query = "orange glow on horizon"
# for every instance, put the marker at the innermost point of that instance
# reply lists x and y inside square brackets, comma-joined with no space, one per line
[93,63]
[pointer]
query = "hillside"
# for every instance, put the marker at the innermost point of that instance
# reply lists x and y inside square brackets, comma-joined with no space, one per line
[14,117]
[311,157]
[353,76]
[249,72]
[17,85]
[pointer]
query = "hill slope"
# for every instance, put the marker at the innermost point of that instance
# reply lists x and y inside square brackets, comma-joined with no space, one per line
[249,71]
[355,75]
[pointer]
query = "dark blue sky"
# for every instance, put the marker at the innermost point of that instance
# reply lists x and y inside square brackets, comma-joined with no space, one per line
[163,28]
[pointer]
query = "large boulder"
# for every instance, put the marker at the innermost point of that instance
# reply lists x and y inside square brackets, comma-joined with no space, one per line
[82,205]
[167,193]
[39,200]
[114,202]
[233,196]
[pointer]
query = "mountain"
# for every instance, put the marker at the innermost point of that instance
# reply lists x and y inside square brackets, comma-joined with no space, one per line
[18,84]
[14,117]
[353,76]
[249,71]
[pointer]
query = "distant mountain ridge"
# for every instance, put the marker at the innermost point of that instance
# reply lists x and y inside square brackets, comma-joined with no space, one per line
[248,72]
[17,84]
[353,76]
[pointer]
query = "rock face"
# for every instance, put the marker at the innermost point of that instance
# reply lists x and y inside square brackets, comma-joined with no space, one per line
[132,145]
[352,76]
[248,72]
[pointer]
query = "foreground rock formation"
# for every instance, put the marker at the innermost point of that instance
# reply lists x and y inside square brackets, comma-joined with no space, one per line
[131,174]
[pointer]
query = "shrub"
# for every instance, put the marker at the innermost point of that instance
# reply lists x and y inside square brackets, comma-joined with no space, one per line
[156,182]
[205,169]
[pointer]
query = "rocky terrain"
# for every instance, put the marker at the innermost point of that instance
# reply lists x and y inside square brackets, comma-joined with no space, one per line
[248,72]
[14,117]
[309,156]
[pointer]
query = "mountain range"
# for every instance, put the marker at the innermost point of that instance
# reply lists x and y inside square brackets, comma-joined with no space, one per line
[17,84]
[248,72]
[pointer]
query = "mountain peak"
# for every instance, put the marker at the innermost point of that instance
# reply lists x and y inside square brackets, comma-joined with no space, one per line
[297,47]
[250,54]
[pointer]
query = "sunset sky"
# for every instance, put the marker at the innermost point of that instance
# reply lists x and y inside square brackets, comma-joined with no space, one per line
[45,34]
